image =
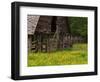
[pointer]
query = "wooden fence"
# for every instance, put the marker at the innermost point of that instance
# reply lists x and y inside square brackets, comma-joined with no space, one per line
[50,42]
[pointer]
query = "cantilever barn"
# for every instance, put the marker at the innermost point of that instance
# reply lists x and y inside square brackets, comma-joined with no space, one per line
[48,33]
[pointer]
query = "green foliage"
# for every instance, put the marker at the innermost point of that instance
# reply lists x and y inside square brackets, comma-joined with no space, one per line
[75,55]
[78,26]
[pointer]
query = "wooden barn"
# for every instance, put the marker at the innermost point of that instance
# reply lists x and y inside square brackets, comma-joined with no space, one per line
[48,33]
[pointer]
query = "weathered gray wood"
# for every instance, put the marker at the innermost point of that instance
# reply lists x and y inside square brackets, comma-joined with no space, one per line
[32,23]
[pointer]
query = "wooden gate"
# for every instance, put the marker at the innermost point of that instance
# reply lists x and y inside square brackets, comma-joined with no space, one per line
[39,43]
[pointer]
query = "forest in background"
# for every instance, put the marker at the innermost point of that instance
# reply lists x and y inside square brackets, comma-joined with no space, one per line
[78,26]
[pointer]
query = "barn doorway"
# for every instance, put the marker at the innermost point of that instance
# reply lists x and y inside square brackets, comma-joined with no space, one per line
[53,24]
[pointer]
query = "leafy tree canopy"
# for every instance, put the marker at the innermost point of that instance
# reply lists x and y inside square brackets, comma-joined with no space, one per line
[78,26]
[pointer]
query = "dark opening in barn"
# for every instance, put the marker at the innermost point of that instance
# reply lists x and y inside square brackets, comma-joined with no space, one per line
[53,24]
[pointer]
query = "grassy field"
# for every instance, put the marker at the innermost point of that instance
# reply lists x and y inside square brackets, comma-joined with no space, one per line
[75,55]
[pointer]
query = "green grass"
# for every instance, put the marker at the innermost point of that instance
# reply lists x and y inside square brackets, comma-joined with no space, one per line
[75,55]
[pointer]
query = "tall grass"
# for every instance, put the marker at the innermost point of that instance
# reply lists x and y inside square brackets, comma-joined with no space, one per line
[75,55]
